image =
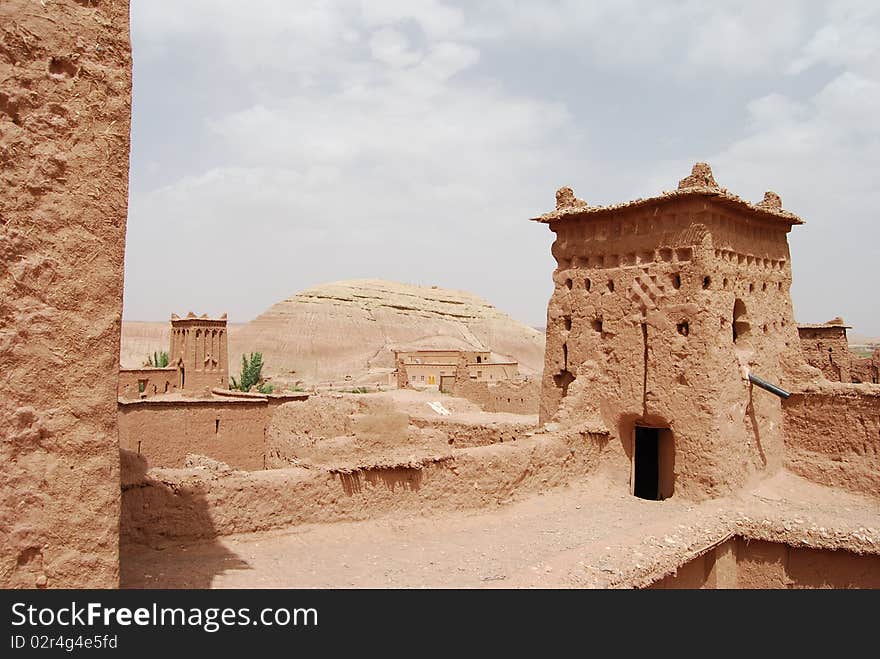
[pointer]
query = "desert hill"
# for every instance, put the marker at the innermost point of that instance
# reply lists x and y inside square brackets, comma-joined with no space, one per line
[347,330]
[140,339]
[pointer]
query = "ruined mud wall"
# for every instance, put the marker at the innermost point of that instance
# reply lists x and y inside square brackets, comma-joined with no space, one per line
[832,436]
[156,381]
[165,432]
[163,505]
[65,93]
[640,328]
[514,397]
[749,564]
[827,350]
[866,369]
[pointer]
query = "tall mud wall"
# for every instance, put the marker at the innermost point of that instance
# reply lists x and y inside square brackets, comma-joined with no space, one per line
[165,432]
[832,436]
[65,95]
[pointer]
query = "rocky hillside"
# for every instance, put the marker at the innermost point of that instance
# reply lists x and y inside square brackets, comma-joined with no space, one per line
[347,330]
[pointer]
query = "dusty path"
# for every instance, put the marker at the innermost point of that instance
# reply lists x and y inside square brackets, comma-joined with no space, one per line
[587,535]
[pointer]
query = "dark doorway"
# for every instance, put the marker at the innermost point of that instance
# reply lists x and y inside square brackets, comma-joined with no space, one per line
[647,463]
[182,377]
[653,463]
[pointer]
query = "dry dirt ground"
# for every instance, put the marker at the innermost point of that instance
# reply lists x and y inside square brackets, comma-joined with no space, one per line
[591,534]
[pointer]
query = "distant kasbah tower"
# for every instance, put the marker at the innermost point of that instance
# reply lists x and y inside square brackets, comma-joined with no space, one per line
[199,351]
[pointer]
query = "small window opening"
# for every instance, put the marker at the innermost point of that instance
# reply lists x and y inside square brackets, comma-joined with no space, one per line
[707,281]
[676,281]
[588,284]
[216,426]
[568,284]
[610,285]
[596,324]
[740,324]
[567,320]
[683,328]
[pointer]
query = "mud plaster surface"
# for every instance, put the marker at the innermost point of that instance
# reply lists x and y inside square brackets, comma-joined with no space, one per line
[65,89]
[586,535]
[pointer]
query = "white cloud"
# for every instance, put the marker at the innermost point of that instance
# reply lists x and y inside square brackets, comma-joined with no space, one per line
[673,39]
[849,38]
[392,47]
[357,127]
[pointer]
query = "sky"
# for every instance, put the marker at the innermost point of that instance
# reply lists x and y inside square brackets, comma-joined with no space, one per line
[278,145]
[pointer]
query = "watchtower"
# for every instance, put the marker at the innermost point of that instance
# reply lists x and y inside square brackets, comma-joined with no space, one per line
[662,307]
[199,351]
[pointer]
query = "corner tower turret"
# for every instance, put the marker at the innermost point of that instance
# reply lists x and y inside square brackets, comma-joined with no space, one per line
[661,309]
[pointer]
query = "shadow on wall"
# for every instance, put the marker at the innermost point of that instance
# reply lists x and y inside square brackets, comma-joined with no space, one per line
[138,564]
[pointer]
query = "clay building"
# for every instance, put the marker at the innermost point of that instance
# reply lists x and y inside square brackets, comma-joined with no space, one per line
[662,308]
[224,425]
[438,368]
[198,361]
[825,346]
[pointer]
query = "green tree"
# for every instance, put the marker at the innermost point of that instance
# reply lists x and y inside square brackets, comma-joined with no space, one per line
[251,372]
[158,359]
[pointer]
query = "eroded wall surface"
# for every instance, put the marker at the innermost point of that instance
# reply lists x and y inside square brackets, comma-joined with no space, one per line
[832,436]
[65,95]
[742,563]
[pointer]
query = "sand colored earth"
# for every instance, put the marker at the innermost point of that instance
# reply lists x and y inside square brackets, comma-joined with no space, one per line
[589,534]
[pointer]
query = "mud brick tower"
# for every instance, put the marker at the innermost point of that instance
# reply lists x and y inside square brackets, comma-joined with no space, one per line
[199,351]
[662,308]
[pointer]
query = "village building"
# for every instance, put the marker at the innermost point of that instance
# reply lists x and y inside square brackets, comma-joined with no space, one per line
[198,361]
[825,346]
[420,369]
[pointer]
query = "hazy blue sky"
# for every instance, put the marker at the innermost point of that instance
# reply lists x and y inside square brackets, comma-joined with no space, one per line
[280,144]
